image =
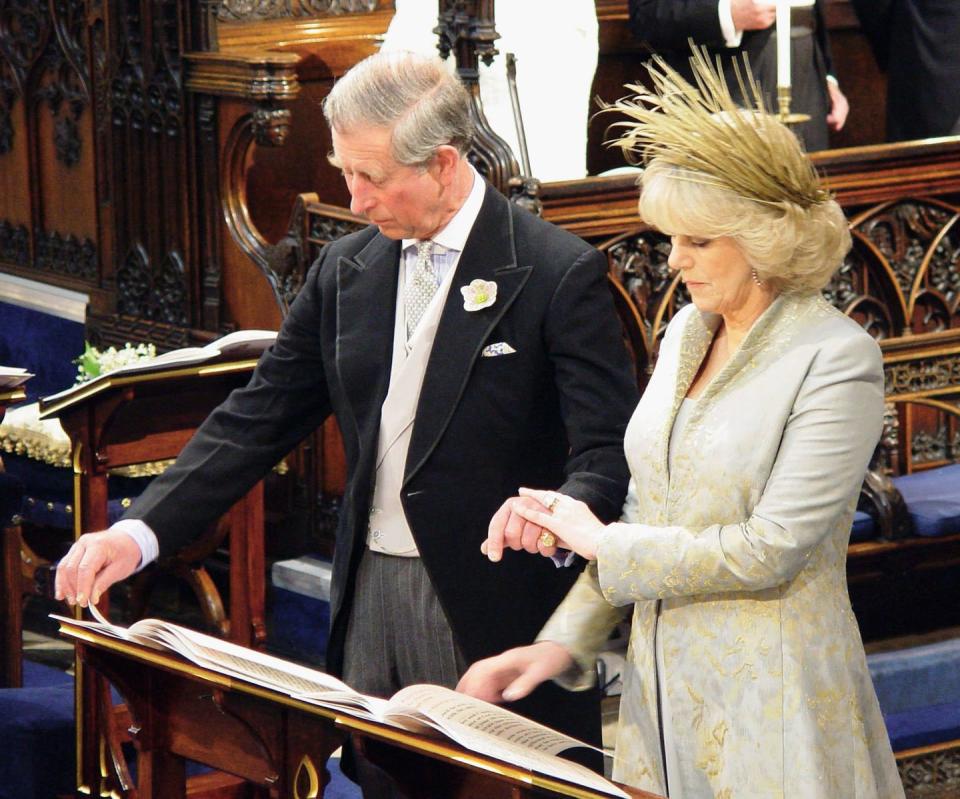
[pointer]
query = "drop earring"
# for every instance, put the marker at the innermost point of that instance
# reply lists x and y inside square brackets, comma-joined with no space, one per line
[756,278]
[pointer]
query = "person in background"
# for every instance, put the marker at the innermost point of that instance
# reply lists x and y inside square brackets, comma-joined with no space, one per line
[917,43]
[730,28]
[466,348]
[745,674]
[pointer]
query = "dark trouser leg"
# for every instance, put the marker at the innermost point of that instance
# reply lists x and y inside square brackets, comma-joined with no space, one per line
[397,635]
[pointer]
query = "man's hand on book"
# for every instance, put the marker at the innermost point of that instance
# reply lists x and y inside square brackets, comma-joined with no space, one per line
[515,673]
[94,563]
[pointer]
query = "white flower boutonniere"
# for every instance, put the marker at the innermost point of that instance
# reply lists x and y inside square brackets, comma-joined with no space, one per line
[479,294]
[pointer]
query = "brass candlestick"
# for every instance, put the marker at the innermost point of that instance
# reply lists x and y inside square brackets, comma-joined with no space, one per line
[783,108]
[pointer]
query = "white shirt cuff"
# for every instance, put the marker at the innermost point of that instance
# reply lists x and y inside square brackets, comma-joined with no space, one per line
[144,538]
[731,36]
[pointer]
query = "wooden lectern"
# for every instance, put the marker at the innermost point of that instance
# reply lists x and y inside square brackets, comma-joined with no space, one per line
[135,418]
[11,627]
[183,711]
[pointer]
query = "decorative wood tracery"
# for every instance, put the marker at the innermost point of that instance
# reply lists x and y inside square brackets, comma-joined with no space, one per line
[466,29]
[252,10]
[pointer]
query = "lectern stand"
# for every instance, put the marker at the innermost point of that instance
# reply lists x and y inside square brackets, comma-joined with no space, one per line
[11,627]
[135,418]
[183,711]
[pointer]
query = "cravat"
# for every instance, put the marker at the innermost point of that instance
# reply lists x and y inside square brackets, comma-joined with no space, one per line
[422,286]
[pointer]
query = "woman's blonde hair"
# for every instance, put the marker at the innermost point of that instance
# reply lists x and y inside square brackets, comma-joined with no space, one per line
[713,168]
[792,248]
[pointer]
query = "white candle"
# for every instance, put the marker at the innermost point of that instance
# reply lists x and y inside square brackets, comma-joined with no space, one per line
[783,43]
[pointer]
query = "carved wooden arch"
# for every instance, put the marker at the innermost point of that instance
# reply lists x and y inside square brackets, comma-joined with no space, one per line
[937,278]
[865,288]
[637,261]
[926,431]
[919,239]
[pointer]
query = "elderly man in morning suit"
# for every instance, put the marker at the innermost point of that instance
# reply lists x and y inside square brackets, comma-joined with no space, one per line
[466,348]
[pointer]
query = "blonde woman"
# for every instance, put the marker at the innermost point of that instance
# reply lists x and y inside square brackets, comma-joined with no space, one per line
[745,675]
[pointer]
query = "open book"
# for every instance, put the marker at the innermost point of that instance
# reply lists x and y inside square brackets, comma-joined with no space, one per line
[425,709]
[237,346]
[13,376]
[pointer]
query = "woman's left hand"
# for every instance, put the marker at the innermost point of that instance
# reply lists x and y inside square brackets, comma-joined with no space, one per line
[569,519]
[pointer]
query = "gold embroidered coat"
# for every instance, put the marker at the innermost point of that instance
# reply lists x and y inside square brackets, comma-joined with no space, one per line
[735,566]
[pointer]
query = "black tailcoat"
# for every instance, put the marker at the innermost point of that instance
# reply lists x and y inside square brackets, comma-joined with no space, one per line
[551,414]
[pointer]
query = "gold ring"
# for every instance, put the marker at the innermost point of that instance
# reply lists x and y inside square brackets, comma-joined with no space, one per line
[554,500]
[547,539]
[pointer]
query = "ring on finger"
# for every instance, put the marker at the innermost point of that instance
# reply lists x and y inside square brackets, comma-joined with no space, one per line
[547,539]
[552,503]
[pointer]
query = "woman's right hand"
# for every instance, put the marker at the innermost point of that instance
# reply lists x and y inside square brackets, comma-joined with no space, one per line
[515,673]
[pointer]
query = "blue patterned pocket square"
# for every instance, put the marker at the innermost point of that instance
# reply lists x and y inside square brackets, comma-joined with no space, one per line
[500,348]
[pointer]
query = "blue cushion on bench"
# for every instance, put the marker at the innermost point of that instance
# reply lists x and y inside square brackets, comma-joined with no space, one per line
[48,499]
[918,676]
[923,726]
[919,693]
[298,603]
[864,527]
[37,735]
[933,499]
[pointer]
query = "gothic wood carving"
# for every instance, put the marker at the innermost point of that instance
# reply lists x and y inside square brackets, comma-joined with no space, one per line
[253,10]
[466,29]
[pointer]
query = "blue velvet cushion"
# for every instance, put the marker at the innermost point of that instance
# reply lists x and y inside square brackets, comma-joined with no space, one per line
[298,604]
[48,498]
[37,736]
[917,676]
[933,499]
[864,527]
[924,726]
[919,693]
[40,343]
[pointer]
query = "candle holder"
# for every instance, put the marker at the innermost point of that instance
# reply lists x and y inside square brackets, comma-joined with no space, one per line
[783,108]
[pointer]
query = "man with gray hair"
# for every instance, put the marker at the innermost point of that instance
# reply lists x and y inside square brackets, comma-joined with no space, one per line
[467,348]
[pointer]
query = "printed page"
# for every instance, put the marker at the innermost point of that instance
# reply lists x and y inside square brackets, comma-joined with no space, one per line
[493,731]
[218,655]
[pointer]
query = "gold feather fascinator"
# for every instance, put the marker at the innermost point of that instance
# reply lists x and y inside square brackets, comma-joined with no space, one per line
[710,139]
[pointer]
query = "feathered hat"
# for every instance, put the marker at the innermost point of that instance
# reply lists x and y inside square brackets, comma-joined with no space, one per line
[710,139]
